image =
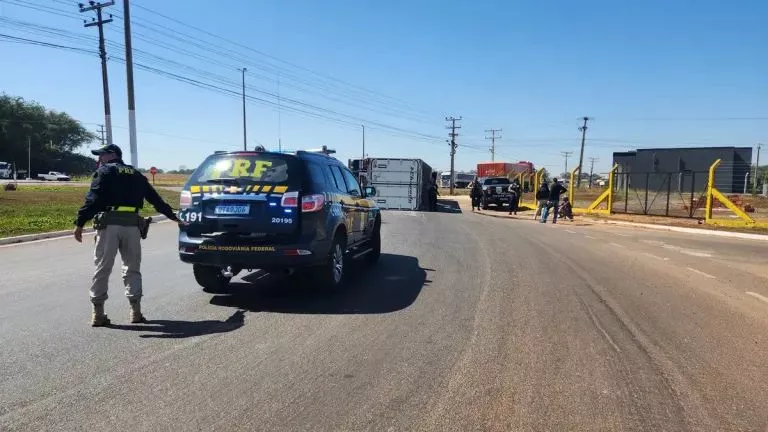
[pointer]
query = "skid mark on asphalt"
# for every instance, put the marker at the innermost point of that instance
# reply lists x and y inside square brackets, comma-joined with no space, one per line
[757,296]
[701,273]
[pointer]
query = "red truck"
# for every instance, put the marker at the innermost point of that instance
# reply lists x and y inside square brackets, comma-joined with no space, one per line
[503,169]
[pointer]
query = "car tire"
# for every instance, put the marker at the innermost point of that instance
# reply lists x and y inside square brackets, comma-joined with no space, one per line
[330,275]
[210,278]
[373,256]
[485,205]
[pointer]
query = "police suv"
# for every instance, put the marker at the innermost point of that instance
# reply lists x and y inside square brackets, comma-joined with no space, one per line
[276,212]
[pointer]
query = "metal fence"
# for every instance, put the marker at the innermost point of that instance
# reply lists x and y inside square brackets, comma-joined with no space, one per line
[674,194]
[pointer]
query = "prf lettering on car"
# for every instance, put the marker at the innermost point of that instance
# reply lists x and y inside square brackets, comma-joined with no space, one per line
[240,168]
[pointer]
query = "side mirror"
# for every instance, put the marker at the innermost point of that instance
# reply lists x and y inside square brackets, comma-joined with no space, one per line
[369,191]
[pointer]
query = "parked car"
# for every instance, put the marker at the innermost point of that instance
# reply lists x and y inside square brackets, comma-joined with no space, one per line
[54,176]
[276,212]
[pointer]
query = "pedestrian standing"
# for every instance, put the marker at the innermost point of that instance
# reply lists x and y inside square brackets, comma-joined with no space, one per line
[476,194]
[116,195]
[554,200]
[514,196]
[542,197]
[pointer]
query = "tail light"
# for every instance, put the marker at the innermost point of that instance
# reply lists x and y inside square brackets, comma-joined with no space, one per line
[312,203]
[185,200]
[290,199]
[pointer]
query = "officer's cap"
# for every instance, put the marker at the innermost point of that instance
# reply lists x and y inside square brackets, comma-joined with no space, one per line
[108,149]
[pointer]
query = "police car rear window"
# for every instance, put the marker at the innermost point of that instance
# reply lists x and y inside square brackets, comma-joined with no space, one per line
[256,168]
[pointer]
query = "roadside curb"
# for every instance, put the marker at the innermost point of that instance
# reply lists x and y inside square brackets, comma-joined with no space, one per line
[55,234]
[714,233]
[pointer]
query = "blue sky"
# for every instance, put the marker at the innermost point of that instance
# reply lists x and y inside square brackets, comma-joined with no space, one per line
[652,74]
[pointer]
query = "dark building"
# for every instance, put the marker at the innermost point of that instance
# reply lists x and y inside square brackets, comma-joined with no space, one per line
[683,169]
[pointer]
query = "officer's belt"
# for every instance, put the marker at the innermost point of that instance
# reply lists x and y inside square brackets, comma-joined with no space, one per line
[121,218]
[125,209]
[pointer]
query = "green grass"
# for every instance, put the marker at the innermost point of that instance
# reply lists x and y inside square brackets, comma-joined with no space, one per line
[37,209]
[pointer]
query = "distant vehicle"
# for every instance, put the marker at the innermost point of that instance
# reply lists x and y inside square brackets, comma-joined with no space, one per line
[460,180]
[6,170]
[54,176]
[495,191]
[276,212]
[504,169]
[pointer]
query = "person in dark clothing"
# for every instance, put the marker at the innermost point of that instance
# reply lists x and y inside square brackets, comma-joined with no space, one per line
[514,196]
[116,195]
[476,194]
[554,200]
[566,210]
[542,197]
[433,192]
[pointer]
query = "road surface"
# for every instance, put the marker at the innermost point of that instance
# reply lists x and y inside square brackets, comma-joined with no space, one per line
[467,323]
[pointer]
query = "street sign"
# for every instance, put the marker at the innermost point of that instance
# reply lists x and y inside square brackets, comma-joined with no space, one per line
[153,171]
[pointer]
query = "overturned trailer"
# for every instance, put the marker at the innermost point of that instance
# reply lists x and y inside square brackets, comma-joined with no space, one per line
[401,184]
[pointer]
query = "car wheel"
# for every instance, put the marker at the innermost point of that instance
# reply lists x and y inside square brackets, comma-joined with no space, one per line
[210,278]
[372,257]
[331,274]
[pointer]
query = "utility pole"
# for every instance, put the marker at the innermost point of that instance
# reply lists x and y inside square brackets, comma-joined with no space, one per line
[566,154]
[99,22]
[129,78]
[592,161]
[361,161]
[452,142]
[493,139]
[757,165]
[245,139]
[29,158]
[583,130]
[101,132]
[280,118]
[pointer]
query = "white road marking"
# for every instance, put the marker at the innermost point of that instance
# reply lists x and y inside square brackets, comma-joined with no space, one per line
[589,237]
[691,252]
[623,235]
[701,273]
[757,296]
[656,256]
[569,231]
[616,244]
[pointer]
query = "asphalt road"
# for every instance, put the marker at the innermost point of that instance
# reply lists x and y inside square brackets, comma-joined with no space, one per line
[467,323]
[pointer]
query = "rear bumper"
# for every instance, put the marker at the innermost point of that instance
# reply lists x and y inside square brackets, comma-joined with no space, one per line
[239,253]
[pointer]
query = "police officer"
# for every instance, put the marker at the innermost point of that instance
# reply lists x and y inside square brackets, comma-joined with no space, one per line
[117,194]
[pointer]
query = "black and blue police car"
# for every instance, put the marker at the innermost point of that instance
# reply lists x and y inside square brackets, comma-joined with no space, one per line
[276,212]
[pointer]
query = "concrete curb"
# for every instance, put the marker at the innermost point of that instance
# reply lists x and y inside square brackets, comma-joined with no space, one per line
[55,234]
[705,232]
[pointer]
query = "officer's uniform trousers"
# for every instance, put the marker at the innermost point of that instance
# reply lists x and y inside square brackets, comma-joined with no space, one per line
[109,241]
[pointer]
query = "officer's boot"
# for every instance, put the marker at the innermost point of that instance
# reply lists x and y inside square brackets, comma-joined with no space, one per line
[99,318]
[136,316]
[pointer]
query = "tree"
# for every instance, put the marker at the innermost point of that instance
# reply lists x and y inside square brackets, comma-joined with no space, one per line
[53,137]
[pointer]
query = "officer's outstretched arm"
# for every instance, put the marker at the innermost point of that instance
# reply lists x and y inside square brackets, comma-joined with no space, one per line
[151,195]
[94,199]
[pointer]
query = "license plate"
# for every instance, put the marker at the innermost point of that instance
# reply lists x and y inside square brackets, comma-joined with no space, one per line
[232,209]
[498,190]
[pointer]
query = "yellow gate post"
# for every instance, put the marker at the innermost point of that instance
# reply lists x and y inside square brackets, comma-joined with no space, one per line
[536,184]
[714,194]
[570,187]
[606,195]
